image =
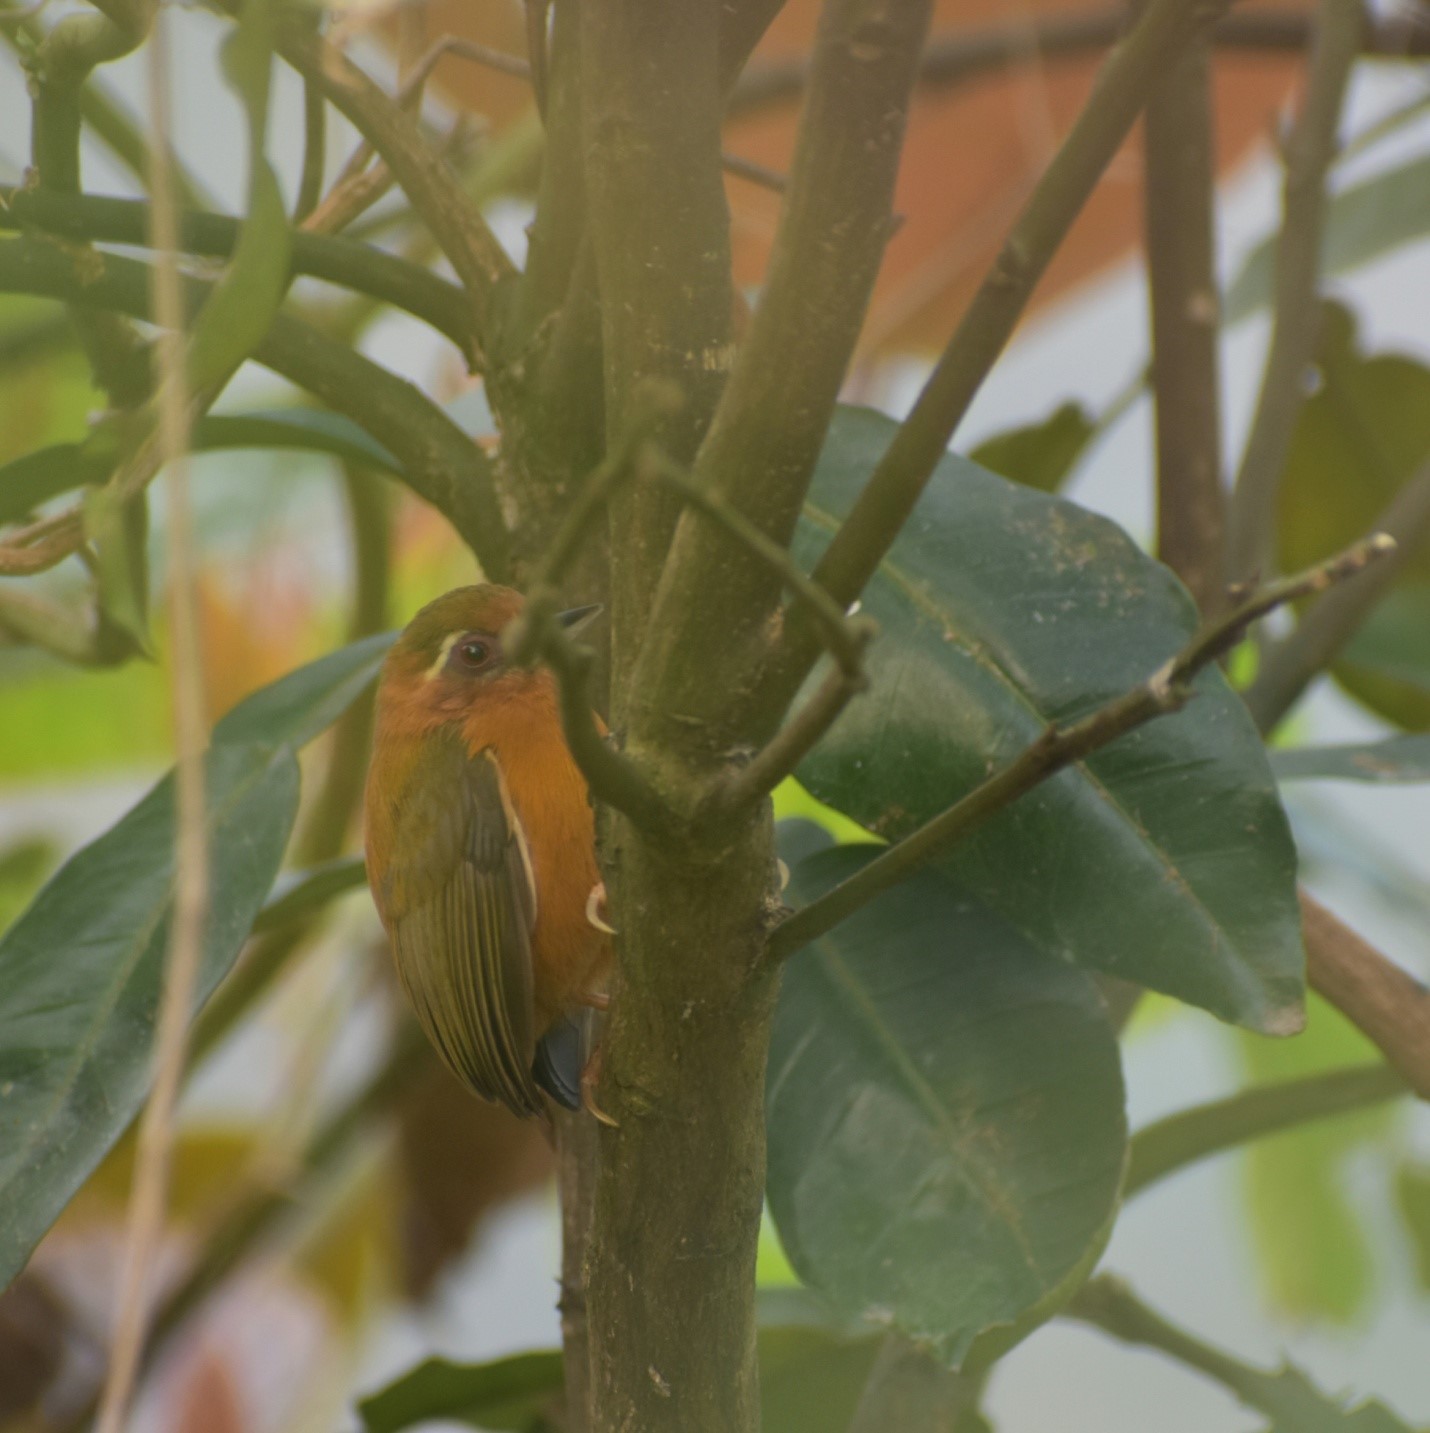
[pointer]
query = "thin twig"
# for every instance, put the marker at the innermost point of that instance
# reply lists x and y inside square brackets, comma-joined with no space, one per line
[1310,150]
[1289,666]
[1181,263]
[1386,1004]
[846,637]
[1171,1144]
[888,498]
[191,882]
[783,753]
[42,544]
[1110,1305]
[1166,690]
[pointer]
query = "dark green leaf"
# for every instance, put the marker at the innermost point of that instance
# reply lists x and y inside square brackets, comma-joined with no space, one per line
[1397,759]
[35,478]
[1360,438]
[80,976]
[1041,455]
[295,708]
[1166,857]
[80,970]
[507,1396]
[120,534]
[945,1114]
[1362,222]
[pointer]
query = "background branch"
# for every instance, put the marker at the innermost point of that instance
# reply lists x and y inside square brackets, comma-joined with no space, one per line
[881,510]
[1386,1004]
[1180,188]
[1310,150]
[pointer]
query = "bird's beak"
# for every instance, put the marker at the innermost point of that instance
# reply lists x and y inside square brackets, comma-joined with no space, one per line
[575,618]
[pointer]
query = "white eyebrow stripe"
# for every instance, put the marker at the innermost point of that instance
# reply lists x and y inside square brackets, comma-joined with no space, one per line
[443,652]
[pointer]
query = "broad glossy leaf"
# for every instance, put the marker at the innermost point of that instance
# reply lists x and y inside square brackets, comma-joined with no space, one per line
[1362,222]
[1360,438]
[945,1114]
[80,970]
[1397,759]
[295,708]
[1041,455]
[1164,858]
[509,1395]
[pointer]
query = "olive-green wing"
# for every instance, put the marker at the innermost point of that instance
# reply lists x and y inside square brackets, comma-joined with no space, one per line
[461,905]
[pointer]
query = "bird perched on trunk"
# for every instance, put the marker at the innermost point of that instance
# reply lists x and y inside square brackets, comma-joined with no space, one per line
[481,854]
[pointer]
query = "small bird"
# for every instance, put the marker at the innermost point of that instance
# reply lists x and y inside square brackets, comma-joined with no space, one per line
[481,855]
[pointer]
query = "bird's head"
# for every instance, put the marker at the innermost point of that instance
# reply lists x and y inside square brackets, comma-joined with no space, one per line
[449,659]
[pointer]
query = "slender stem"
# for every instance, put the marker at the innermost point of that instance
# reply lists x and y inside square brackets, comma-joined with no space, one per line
[1310,150]
[335,259]
[1173,1143]
[315,145]
[1108,1304]
[1181,259]
[440,463]
[1165,691]
[457,225]
[1389,1006]
[1290,665]
[1129,77]
[191,882]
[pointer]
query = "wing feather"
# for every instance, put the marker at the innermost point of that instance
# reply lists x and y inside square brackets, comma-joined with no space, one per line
[462,904]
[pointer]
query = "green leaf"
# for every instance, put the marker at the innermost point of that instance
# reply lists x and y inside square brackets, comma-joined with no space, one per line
[1397,759]
[80,971]
[1165,858]
[1362,223]
[1040,455]
[945,1114]
[295,708]
[241,306]
[1358,441]
[507,1396]
[120,534]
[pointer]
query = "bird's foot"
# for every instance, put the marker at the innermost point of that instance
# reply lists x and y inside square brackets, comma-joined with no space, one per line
[590,1077]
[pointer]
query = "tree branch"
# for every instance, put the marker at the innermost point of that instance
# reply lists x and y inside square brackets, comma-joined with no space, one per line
[1388,1006]
[1180,186]
[963,56]
[1166,690]
[457,225]
[882,509]
[1289,666]
[1310,149]
[440,463]
[774,414]
[335,259]
[1171,1144]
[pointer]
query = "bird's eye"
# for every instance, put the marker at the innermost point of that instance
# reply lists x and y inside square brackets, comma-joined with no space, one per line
[473,653]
